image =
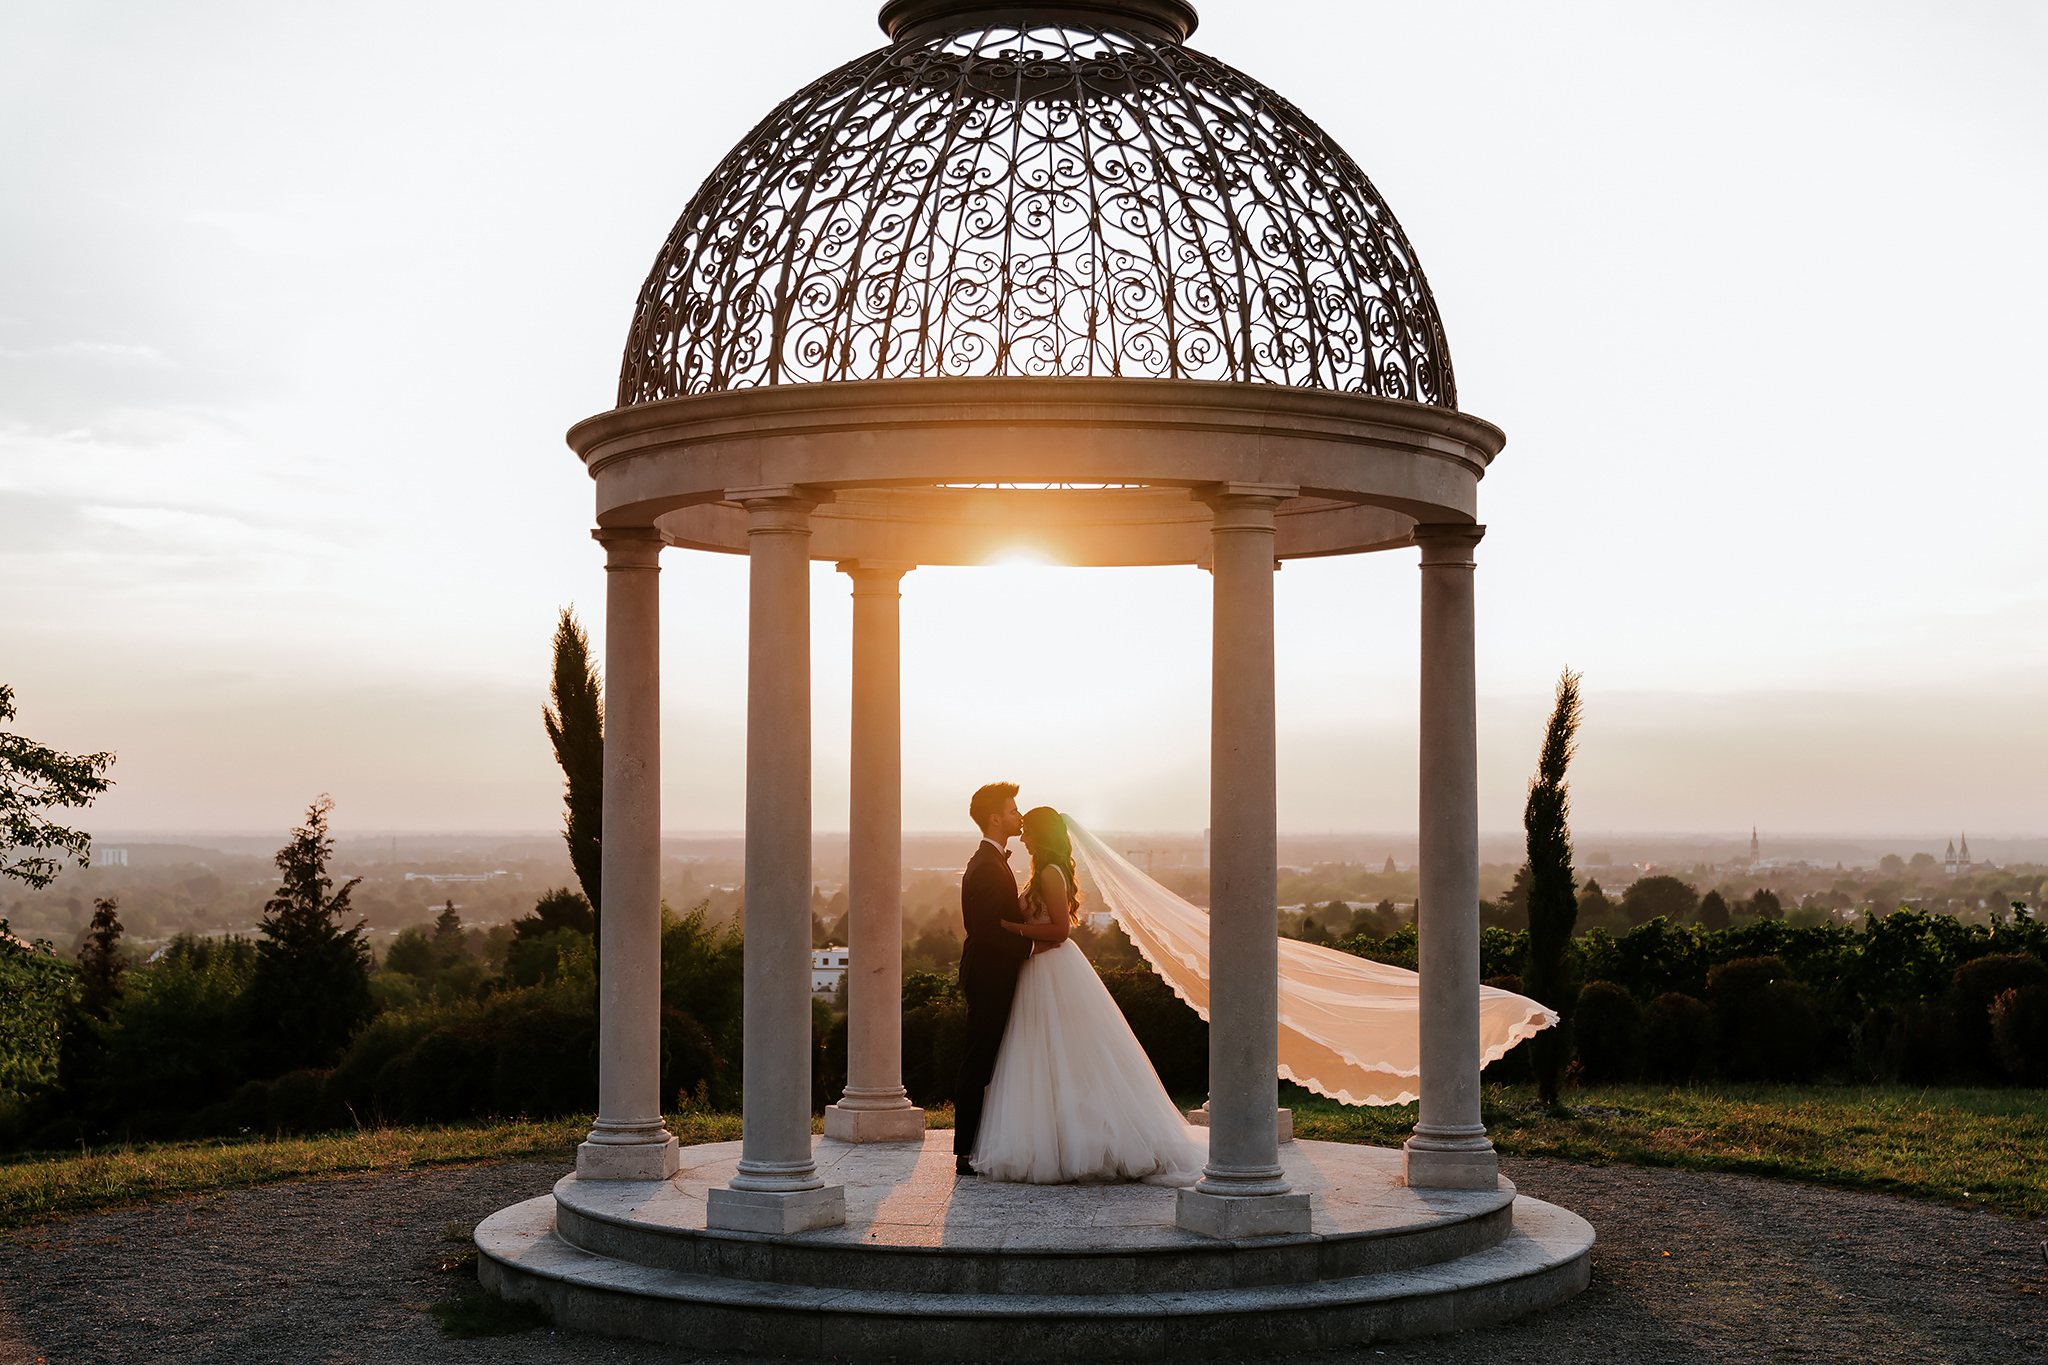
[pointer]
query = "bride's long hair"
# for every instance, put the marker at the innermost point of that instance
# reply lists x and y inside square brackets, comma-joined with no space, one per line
[1046,830]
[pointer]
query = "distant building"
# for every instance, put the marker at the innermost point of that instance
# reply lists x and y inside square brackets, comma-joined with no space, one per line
[110,857]
[1098,919]
[828,969]
[1957,863]
[456,876]
[1756,855]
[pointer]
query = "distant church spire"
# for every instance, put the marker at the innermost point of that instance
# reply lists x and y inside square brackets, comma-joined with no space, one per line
[1755,856]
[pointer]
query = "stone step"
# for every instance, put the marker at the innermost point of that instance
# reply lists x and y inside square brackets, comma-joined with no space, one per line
[913,1227]
[1544,1259]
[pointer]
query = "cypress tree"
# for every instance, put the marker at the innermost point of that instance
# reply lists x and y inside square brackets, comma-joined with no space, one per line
[99,961]
[575,725]
[1552,890]
[311,987]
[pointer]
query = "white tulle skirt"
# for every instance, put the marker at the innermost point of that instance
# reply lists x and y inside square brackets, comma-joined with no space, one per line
[1074,1098]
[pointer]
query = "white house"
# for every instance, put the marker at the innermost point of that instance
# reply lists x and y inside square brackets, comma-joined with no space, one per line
[828,969]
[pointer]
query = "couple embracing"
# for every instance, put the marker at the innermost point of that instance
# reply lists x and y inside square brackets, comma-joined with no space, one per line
[1055,1087]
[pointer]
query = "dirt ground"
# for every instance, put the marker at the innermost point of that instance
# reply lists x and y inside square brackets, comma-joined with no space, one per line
[345,1271]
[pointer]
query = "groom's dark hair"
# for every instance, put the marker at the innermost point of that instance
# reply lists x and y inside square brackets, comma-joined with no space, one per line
[988,801]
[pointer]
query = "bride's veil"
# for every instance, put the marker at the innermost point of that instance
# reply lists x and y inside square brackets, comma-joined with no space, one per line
[1348,1025]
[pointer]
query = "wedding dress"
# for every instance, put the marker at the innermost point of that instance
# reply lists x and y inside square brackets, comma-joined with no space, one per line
[1349,1027]
[1074,1098]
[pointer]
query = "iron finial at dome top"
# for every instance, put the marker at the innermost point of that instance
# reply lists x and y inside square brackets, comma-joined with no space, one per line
[1173,20]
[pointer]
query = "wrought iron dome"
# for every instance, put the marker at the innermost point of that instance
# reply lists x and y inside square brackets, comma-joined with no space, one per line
[1058,190]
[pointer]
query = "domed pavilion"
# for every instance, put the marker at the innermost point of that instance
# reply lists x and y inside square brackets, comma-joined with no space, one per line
[1028,275]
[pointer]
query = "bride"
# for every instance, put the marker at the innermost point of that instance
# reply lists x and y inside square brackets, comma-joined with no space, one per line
[1074,1098]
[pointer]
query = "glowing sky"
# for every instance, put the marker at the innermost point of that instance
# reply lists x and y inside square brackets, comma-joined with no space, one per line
[297,301]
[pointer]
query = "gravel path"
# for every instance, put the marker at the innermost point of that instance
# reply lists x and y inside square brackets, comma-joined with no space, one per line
[344,1271]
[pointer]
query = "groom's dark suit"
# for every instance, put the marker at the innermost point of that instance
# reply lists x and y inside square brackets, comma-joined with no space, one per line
[989,962]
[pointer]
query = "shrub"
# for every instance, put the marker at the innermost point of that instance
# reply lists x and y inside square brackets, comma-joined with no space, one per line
[447,1074]
[544,1062]
[1658,897]
[296,1103]
[1607,1024]
[534,960]
[1767,1029]
[2019,1033]
[934,1044]
[1678,1039]
[1977,984]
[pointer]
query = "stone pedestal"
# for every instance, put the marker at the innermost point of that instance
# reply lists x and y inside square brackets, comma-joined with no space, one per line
[875,1107]
[1449,1148]
[628,1141]
[1233,1216]
[1283,1121]
[778,1214]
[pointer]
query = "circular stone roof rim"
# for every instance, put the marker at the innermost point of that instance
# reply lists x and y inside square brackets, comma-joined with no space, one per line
[1172,20]
[845,404]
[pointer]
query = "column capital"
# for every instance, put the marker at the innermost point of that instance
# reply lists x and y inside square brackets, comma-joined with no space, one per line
[1244,506]
[1448,543]
[630,547]
[779,508]
[879,576]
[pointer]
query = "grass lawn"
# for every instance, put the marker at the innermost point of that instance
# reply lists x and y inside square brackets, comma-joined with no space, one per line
[1981,1147]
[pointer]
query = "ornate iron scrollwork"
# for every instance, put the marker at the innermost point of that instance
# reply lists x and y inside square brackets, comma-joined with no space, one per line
[1043,201]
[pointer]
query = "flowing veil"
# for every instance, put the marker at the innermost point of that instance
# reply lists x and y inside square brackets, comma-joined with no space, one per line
[1349,1027]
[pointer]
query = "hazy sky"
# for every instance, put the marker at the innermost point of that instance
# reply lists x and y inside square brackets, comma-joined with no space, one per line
[296,302]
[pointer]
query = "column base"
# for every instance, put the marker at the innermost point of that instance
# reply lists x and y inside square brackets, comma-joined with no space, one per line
[628,1160]
[902,1124]
[1229,1217]
[1430,1169]
[1283,1117]
[775,1212]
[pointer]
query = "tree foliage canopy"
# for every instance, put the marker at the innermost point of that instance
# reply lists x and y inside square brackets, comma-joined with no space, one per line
[311,987]
[575,726]
[36,779]
[1552,890]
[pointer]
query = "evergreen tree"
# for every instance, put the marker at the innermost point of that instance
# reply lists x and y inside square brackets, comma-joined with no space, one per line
[1552,892]
[448,945]
[575,725]
[1713,911]
[34,778]
[311,987]
[99,961]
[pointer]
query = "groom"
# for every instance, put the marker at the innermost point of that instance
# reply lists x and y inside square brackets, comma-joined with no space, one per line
[990,959]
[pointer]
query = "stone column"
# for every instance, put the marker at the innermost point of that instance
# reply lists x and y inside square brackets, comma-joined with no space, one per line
[1243,1192]
[875,1107]
[777,1188]
[628,1141]
[1450,1148]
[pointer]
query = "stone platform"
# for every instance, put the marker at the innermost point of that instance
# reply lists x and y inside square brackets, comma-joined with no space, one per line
[930,1265]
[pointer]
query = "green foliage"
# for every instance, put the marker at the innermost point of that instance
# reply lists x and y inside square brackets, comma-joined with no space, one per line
[1607,1025]
[1714,911]
[1766,1027]
[558,909]
[703,977]
[1552,891]
[537,961]
[1660,897]
[37,989]
[311,988]
[1678,1039]
[412,953]
[2019,1033]
[575,726]
[175,1041]
[100,964]
[36,779]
